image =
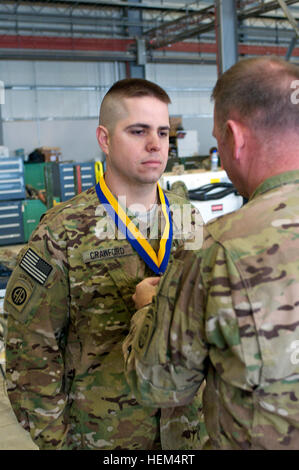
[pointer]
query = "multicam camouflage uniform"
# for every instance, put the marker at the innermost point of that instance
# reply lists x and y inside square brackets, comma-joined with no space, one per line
[230,312]
[68,316]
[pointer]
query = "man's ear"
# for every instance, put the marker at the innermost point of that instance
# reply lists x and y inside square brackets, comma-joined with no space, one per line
[103,138]
[237,134]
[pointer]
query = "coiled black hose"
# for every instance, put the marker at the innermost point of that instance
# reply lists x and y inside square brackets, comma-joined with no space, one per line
[206,192]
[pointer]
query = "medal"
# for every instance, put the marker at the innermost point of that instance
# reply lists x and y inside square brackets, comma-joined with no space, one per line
[157,262]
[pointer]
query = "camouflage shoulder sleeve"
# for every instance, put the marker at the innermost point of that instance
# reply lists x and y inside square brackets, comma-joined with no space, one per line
[37,305]
[164,360]
[187,222]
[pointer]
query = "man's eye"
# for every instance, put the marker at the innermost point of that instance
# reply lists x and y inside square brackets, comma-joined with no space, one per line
[163,134]
[137,131]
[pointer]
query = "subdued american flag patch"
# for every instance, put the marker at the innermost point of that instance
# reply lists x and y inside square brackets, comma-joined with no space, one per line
[35,266]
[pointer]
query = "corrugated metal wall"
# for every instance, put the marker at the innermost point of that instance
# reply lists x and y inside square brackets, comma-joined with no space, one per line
[58,106]
[62,98]
[57,103]
[189,87]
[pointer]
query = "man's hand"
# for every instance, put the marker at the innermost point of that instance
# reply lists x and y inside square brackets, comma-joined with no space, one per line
[145,291]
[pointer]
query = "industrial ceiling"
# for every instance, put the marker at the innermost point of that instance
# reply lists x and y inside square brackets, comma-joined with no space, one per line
[174,30]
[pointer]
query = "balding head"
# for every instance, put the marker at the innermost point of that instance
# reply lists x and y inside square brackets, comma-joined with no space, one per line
[258,92]
[113,106]
[256,121]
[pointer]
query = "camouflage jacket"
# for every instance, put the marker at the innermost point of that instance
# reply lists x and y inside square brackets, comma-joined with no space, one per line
[230,313]
[69,304]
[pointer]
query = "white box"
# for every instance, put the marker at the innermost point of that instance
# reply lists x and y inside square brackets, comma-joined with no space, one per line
[188,145]
[4,152]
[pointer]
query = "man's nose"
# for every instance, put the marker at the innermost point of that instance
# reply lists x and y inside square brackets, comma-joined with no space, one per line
[153,143]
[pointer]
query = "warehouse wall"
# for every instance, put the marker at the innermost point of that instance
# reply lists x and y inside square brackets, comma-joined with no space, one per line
[76,138]
[57,103]
[64,114]
[189,87]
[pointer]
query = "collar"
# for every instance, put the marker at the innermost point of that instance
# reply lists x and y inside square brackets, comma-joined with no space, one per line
[287,177]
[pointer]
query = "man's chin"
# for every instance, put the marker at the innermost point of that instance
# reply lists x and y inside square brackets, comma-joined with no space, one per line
[149,179]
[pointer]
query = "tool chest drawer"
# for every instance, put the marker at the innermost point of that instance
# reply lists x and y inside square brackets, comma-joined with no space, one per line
[11,223]
[12,184]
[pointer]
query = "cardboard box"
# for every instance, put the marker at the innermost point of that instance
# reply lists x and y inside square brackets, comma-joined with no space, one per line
[175,123]
[52,154]
[188,145]
[4,152]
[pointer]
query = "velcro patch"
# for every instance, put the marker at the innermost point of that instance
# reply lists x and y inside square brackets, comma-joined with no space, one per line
[35,266]
[20,294]
[107,253]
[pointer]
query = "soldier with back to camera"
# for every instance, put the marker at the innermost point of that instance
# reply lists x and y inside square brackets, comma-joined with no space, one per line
[229,312]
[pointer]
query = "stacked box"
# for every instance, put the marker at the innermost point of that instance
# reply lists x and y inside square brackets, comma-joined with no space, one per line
[176,123]
[34,175]
[32,209]
[12,185]
[65,180]
[11,223]
[84,176]
[52,154]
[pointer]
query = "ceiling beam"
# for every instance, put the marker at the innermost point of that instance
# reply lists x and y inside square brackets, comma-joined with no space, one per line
[263,8]
[100,4]
[182,28]
[57,48]
[193,25]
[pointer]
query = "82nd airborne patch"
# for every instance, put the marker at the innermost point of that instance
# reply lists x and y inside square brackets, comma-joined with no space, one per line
[20,292]
[19,295]
[31,270]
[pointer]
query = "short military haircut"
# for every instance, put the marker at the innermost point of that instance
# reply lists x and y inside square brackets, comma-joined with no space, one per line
[258,91]
[127,88]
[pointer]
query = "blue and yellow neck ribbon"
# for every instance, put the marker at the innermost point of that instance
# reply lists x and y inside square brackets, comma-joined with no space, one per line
[157,262]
